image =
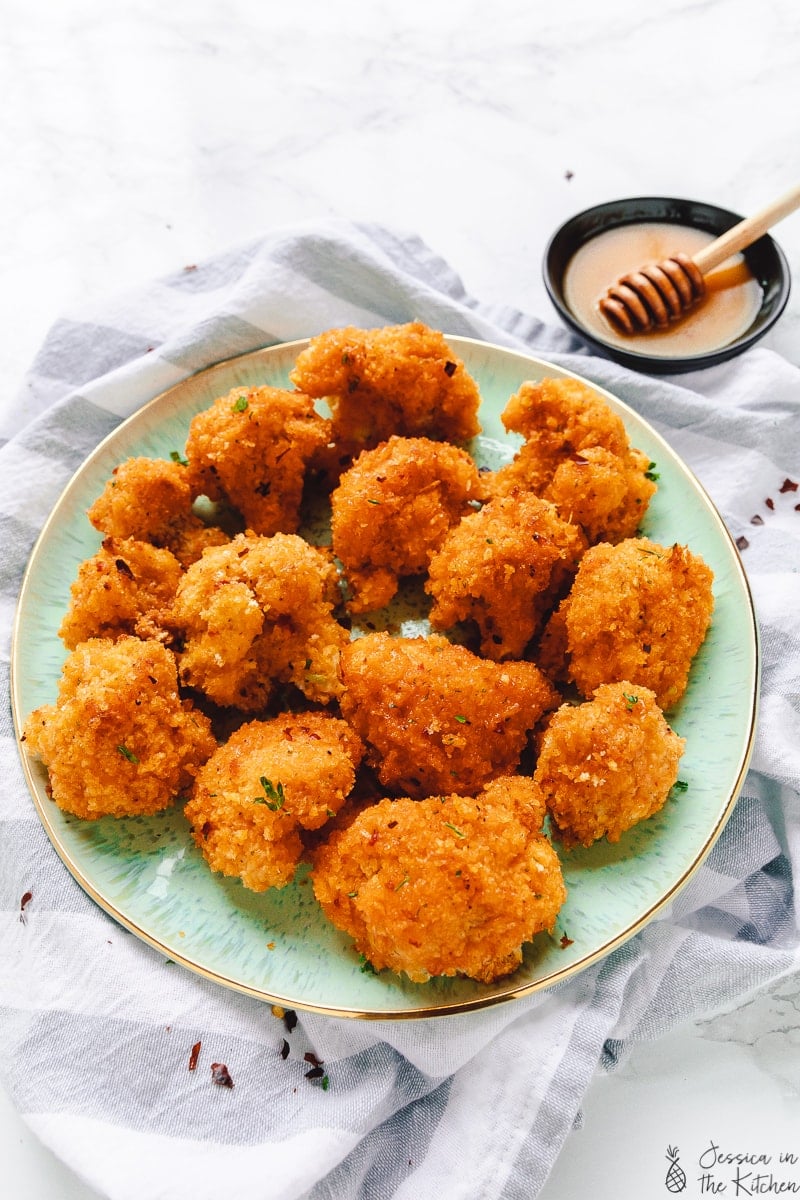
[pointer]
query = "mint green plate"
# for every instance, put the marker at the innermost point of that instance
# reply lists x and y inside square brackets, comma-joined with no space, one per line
[277,946]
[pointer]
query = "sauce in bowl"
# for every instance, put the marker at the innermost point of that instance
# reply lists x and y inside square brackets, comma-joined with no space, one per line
[728,309]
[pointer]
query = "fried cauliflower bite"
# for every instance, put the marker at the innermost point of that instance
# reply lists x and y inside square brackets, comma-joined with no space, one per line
[119,741]
[125,588]
[401,379]
[151,499]
[637,611]
[392,509]
[450,885]
[267,782]
[504,568]
[252,448]
[258,612]
[435,716]
[607,764]
[576,454]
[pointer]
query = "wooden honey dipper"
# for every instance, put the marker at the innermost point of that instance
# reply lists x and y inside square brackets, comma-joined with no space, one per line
[660,293]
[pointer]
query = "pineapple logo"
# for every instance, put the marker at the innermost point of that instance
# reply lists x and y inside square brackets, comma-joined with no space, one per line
[676,1176]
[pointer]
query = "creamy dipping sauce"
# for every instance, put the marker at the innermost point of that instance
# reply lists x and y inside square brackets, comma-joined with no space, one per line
[731,303]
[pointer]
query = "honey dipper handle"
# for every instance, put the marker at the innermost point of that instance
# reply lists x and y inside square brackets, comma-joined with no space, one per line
[747,231]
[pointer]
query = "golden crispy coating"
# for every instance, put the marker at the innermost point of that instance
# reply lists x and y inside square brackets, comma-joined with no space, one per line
[576,454]
[450,885]
[119,740]
[151,499]
[188,539]
[270,779]
[402,379]
[504,567]
[252,448]
[434,716]
[393,508]
[125,588]
[257,612]
[142,499]
[637,611]
[607,764]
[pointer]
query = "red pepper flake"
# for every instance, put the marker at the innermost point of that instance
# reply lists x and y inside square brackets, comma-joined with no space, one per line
[123,567]
[194,1056]
[789,485]
[315,1073]
[23,904]
[220,1075]
[756,520]
[290,1019]
[742,543]
[284,1049]
[769,503]
[565,941]
[450,369]
[310,1057]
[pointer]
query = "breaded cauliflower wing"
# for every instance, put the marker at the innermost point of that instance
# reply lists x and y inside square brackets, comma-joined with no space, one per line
[638,611]
[119,740]
[267,782]
[151,500]
[252,448]
[504,567]
[127,587]
[607,764]
[392,509]
[576,454]
[447,885]
[257,612]
[435,716]
[400,379]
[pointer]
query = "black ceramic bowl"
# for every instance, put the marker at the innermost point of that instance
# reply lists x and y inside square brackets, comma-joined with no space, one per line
[765,259]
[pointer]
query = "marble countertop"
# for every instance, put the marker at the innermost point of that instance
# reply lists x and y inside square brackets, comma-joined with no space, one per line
[139,137]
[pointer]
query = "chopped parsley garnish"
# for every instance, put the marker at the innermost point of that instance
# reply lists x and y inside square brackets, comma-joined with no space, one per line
[274,796]
[652,473]
[680,785]
[630,700]
[462,720]
[366,966]
[240,404]
[402,883]
[176,457]
[458,832]
[126,753]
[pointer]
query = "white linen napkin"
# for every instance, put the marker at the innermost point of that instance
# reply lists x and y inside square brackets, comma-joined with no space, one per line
[96,1030]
